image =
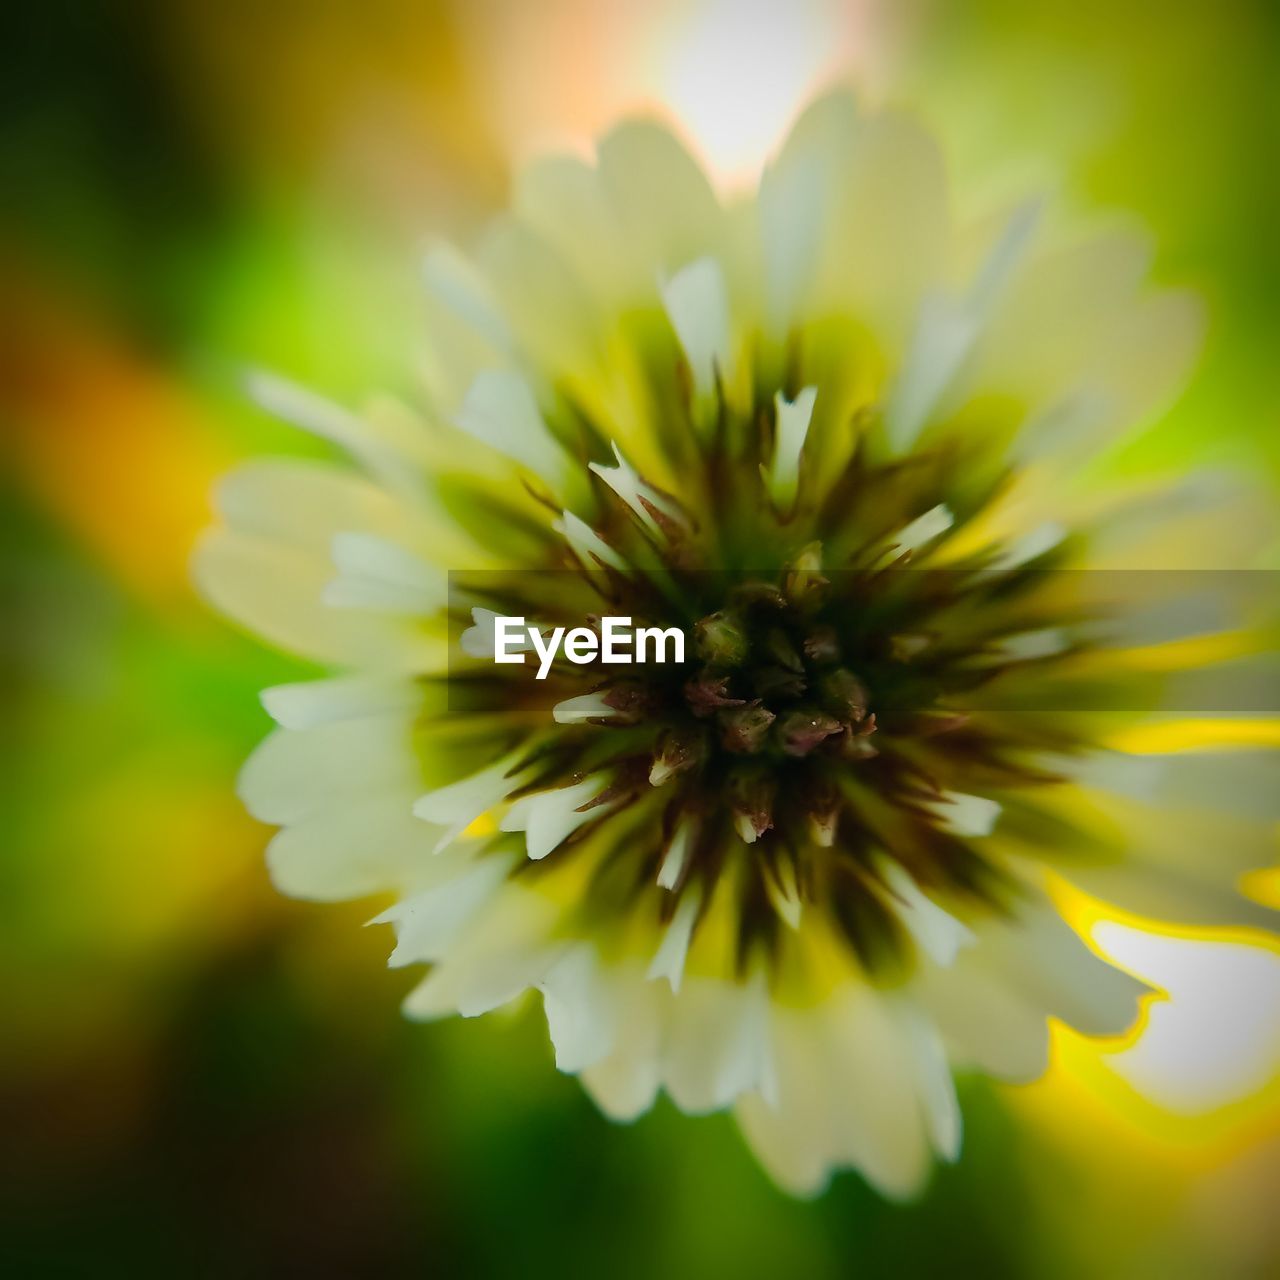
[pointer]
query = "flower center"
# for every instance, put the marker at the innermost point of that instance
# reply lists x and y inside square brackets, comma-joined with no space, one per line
[828,722]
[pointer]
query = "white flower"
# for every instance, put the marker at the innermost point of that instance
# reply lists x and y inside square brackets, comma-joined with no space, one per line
[808,875]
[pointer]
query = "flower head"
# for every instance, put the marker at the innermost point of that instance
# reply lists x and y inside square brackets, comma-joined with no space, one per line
[833,439]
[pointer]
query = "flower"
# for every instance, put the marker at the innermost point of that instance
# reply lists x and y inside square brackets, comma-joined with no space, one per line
[840,440]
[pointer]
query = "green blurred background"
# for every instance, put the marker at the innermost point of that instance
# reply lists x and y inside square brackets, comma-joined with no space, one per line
[198,1077]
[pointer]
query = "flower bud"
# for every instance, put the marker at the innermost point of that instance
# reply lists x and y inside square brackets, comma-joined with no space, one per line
[751,799]
[720,640]
[708,693]
[678,750]
[804,728]
[802,580]
[844,695]
[743,730]
[821,646]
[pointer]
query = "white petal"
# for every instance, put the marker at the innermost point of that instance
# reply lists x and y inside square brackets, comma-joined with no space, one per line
[276,591]
[783,892]
[1179,856]
[626,483]
[302,503]
[549,817]
[1030,546]
[847,1096]
[790,1137]
[586,706]
[945,334]
[792,425]
[923,529]
[669,961]
[1057,313]
[554,321]
[561,197]
[428,923]
[1008,252]
[466,330]
[697,305]
[582,1009]
[1241,783]
[946,331]
[1216,1040]
[313,703]
[877,1121]
[966,815]
[454,281]
[293,774]
[1055,968]
[625,1083]
[375,573]
[459,804]
[1159,891]
[888,225]
[984,1022]
[1026,646]
[993,1003]
[717,1043]
[587,545]
[794,199]
[500,411]
[677,854]
[853,220]
[1073,322]
[663,202]
[365,846]
[939,934]
[477,986]
[481,639]
[934,1082]
[312,412]
[508,950]
[1149,355]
